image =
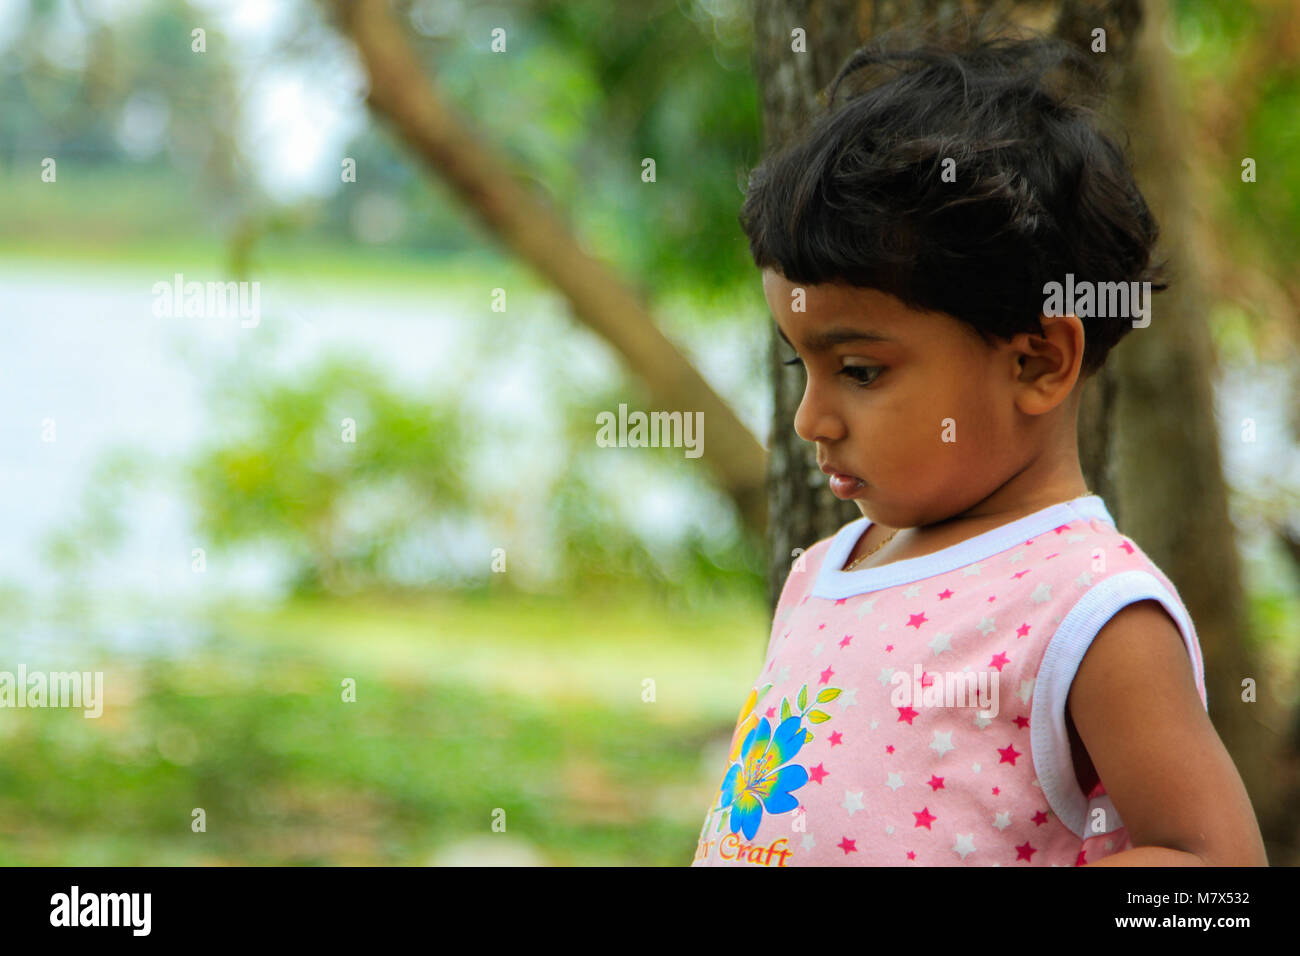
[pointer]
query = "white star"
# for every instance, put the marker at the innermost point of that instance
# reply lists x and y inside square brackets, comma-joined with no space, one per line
[973,569]
[1002,820]
[852,802]
[1026,690]
[1042,593]
[940,643]
[985,624]
[1072,538]
[866,607]
[942,742]
[883,627]
[965,844]
[808,841]
[783,674]
[1017,556]
[982,722]
[848,699]
[890,830]
[975,767]
[1083,580]
[886,674]
[913,591]
[894,781]
[817,650]
[875,724]
[1037,784]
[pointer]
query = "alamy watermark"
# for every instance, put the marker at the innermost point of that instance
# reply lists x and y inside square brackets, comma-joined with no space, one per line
[1099,300]
[84,689]
[656,430]
[946,689]
[208,300]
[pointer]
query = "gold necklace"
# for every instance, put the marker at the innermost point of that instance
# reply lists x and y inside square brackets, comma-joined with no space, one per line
[871,552]
[864,557]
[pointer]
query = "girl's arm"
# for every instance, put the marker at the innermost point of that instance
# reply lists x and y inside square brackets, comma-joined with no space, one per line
[1135,705]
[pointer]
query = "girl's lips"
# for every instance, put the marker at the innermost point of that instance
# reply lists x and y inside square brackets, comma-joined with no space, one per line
[845,486]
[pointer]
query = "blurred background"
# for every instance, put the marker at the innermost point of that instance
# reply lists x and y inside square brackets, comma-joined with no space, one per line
[186,508]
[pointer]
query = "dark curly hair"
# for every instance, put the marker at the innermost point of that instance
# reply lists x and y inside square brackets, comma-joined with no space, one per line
[1041,190]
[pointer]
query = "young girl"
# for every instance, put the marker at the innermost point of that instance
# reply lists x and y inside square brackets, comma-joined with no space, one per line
[982,670]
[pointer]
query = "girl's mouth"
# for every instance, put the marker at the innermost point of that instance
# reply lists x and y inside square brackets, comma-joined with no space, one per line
[845,486]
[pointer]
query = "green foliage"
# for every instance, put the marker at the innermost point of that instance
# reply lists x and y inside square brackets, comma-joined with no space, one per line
[286,473]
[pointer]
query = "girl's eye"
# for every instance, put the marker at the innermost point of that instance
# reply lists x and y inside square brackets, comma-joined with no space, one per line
[853,372]
[794,361]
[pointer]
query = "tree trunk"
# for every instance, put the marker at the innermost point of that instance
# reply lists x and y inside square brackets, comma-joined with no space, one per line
[1147,430]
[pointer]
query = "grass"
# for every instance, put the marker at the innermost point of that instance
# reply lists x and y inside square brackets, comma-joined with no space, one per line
[528,709]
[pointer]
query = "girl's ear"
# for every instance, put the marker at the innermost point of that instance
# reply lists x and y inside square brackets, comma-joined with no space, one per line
[1049,363]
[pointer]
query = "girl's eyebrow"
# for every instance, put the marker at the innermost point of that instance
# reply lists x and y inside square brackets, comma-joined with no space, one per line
[838,335]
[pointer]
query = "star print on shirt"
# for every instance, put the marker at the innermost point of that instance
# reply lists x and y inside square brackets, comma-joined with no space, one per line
[817,774]
[1009,754]
[848,846]
[924,818]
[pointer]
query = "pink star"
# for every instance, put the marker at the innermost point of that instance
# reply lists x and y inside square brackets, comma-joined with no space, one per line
[844,642]
[835,738]
[999,659]
[889,749]
[1126,546]
[1022,630]
[826,675]
[1040,818]
[945,594]
[926,679]
[995,791]
[992,598]
[1025,852]
[936,783]
[1061,529]
[847,846]
[1009,754]
[1022,721]
[1081,860]
[817,774]
[911,855]
[1021,574]
[1052,555]
[770,713]
[906,713]
[916,620]
[889,647]
[840,601]
[924,818]
[821,627]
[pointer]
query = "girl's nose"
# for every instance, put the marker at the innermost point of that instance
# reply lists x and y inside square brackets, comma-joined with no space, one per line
[815,420]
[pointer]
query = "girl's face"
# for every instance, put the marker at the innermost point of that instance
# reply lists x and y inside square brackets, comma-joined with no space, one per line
[914,404]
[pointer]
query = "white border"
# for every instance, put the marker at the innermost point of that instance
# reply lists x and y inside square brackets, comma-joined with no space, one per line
[834,584]
[1049,741]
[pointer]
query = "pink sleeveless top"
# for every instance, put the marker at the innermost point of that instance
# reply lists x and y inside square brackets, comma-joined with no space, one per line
[913,714]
